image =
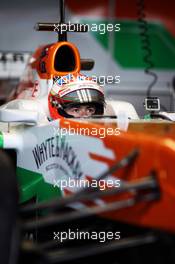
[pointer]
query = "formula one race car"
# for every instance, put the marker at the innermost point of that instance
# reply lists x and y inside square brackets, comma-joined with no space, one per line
[116,165]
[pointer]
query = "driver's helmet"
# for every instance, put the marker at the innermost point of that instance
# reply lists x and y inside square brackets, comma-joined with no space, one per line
[73,90]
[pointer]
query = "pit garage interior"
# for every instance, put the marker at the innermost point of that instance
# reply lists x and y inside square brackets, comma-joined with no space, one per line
[134,61]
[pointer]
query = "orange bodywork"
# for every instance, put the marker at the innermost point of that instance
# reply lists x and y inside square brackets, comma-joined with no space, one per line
[157,153]
[45,57]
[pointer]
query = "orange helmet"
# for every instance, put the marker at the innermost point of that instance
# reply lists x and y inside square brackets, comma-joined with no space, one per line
[73,90]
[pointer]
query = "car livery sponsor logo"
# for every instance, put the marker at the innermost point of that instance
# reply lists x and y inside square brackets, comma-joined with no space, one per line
[57,147]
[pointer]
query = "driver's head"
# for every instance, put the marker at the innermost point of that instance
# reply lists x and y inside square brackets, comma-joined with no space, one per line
[76,96]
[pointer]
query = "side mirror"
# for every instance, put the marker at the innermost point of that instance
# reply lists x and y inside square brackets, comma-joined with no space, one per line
[19,111]
[16,115]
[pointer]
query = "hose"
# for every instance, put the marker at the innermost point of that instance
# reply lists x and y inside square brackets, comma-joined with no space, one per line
[146,45]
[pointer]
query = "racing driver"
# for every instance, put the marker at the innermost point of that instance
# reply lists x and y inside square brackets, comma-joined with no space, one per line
[76,95]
